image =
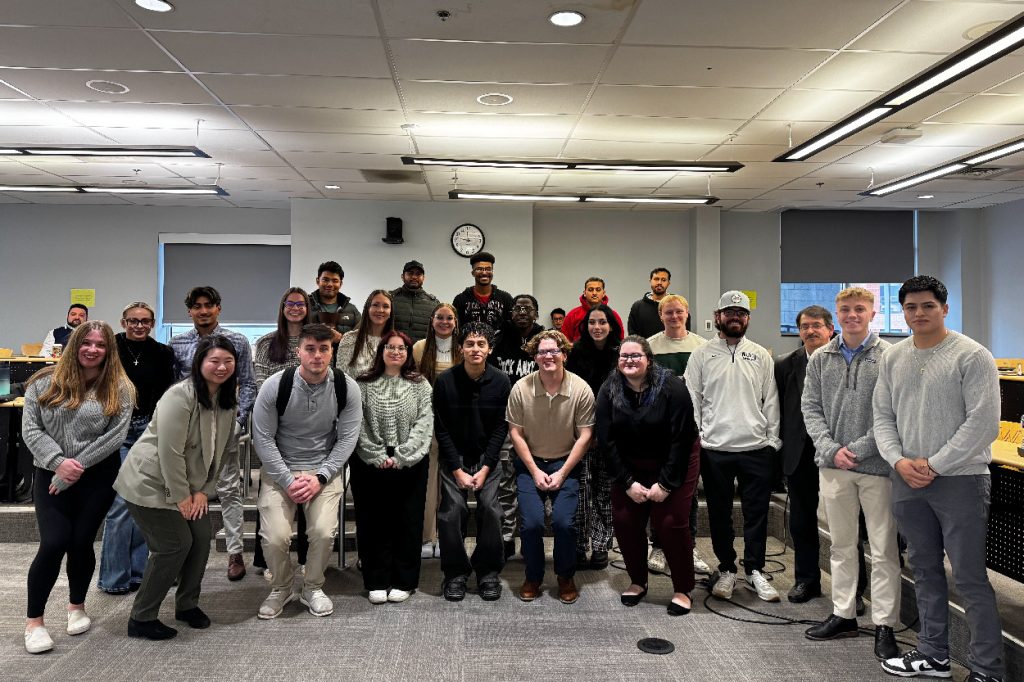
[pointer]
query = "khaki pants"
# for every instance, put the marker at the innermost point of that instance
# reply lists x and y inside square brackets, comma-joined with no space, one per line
[845,493]
[433,493]
[277,513]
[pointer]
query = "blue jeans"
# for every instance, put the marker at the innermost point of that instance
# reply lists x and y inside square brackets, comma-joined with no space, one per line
[124,554]
[563,519]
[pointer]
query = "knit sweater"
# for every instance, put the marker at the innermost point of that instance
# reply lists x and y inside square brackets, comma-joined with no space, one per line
[397,413]
[149,365]
[941,403]
[673,354]
[54,434]
[265,367]
[347,348]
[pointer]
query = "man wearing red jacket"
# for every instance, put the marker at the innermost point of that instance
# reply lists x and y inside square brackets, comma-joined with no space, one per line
[593,295]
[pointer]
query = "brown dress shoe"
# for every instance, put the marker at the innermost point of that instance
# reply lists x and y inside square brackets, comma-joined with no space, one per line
[567,592]
[529,591]
[236,567]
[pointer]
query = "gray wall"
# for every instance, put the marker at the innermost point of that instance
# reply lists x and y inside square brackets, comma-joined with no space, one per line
[1001,270]
[47,250]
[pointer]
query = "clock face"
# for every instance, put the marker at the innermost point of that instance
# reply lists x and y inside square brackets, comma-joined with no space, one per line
[467,240]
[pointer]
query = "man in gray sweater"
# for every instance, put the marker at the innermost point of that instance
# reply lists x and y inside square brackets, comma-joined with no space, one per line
[303,447]
[936,413]
[853,477]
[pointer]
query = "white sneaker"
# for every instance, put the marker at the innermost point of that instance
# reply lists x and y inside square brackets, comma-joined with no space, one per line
[78,622]
[699,565]
[427,550]
[656,562]
[319,603]
[398,596]
[275,602]
[378,596]
[757,582]
[724,585]
[38,640]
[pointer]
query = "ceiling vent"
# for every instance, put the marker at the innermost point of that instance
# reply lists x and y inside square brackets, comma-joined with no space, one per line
[981,172]
[393,176]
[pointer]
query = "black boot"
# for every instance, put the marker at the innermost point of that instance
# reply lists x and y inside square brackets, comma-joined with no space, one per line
[885,643]
[150,629]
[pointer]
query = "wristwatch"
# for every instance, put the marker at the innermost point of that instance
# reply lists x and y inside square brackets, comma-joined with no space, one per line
[322,479]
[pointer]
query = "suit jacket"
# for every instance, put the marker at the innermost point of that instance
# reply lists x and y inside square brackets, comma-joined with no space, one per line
[173,458]
[790,370]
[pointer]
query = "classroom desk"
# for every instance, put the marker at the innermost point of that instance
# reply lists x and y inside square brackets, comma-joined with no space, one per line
[10,441]
[1004,550]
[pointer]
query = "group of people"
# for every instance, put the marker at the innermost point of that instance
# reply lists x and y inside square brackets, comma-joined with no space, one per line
[606,428]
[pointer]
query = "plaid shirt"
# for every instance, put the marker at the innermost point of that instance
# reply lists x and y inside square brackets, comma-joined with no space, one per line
[184,346]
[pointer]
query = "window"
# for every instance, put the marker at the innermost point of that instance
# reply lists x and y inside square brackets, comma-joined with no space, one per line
[795,296]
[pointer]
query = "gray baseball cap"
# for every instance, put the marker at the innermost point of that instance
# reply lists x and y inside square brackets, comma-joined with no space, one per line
[734,299]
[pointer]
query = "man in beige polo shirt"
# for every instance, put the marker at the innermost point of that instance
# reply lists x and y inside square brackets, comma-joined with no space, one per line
[551,418]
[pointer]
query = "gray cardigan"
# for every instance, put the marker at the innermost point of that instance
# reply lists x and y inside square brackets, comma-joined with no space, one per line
[836,404]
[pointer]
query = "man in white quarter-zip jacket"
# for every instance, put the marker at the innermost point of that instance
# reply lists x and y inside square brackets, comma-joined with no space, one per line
[731,380]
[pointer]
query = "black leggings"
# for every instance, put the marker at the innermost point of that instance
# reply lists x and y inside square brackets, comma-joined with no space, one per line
[68,523]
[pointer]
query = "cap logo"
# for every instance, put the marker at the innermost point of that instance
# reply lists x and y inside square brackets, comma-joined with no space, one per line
[736,298]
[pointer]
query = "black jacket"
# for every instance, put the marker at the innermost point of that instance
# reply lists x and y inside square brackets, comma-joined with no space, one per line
[643,317]
[509,356]
[411,310]
[790,370]
[496,312]
[348,314]
[469,417]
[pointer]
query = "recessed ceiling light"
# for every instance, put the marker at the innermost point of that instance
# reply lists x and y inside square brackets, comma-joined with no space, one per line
[927,196]
[566,18]
[975,32]
[332,186]
[494,99]
[155,5]
[107,87]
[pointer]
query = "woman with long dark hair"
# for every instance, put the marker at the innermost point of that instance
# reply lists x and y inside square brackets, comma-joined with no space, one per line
[646,430]
[76,416]
[389,475]
[592,358]
[358,348]
[167,479]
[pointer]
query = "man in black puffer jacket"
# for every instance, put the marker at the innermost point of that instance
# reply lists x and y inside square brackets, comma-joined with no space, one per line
[412,305]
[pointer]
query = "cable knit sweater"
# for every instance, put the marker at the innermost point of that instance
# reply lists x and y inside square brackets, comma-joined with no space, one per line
[397,413]
[265,367]
[364,358]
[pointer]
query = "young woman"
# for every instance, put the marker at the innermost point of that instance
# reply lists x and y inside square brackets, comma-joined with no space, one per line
[167,479]
[76,416]
[593,357]
[358,348]
[646,431]
[433,355]
[389,475]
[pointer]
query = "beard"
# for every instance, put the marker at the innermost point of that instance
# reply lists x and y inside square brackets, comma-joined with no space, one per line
[732,332]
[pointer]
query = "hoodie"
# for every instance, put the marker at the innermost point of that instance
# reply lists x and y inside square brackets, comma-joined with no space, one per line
[643,317]
[570,327]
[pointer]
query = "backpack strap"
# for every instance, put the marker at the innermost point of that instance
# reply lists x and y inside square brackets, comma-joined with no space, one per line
[284,391]
[340,389]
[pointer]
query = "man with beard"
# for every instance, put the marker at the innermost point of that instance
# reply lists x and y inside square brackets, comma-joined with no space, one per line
[329,305]
[593,295]
[511,358]
[483,302]
[644,318]
[77,314]
[731,381]
[411,306]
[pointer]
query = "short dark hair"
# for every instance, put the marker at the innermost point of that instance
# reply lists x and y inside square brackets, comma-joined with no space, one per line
[227,395]
[817,312]
[924,283]
[665,270]
[330,266]
[198,292]
[477,329]
[78,305]
[316,331]
[593,279]
[482,257]
[532,300]
[557,311]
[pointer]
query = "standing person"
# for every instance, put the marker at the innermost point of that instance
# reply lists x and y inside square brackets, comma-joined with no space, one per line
[328,305]
[645,314]
[483,302]
[470,401]
[413,306]
[646,430]
[357,351]
[936,413]
[736,404]
[854,479]
[593,295]
[167,481]
[593,358]
[305,425]
[551,420]
[557,317]
[203,304]
[77,314]
[389,476]
[77,414]
[150,367]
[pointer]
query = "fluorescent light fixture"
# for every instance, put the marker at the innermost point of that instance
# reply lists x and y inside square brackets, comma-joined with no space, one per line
[10,152]
[155,5]
[579,198]
[332,186]
[926,196]
[116,151]
[1002,150]
[577,164]
[209,189]
[679,168]
[566,18]
[912,180]
[837,134]
[651,200]
[470,163]
[459,194]
[38,188]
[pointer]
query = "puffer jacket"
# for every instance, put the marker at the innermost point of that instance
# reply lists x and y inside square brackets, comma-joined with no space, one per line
[411,310]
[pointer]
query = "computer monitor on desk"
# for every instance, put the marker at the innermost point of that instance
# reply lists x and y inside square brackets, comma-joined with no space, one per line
[5,378]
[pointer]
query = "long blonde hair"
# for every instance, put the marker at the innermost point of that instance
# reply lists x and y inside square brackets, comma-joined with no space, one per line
[428,363]
[68,387]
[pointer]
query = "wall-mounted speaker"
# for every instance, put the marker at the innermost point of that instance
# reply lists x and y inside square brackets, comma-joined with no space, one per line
[393,232]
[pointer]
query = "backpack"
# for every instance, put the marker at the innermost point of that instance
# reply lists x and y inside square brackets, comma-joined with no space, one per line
[340,389]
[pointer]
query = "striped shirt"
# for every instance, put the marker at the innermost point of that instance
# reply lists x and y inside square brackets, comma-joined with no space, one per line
[184,346]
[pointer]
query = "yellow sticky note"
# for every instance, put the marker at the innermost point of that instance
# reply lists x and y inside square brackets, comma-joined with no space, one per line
[86,297]
[752,295]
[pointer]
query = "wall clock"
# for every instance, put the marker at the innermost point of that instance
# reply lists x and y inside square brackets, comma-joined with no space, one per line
[467,240]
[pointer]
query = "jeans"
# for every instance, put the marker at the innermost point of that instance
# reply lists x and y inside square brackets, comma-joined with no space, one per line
[124,553]
[563,519]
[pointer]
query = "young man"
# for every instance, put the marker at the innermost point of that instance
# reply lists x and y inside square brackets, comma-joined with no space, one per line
[303,448]
[557,317]
[77,314]
[815,327]
[645,314]
[593,295]
[853,476]
[470,400]
[411,306]
[551,421]
[736,405]
[936,413]
[203,304]
[483,302]
[329,305]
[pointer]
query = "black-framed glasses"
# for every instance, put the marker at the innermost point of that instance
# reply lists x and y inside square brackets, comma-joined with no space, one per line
[294,304]
[630,357]
[134,322]
[552,352]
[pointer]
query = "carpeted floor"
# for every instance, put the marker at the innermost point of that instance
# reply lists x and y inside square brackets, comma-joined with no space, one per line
[428,638]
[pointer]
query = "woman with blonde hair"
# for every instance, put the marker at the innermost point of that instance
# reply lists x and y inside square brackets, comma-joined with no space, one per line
[76,416]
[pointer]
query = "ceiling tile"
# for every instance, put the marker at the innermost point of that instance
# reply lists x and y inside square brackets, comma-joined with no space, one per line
[678,130]
[675,101]
[43,135]
[526,99]
[816,105]
[342,160]
[207,140]
[609,181]
[97,13]
[81,48]
[320,120]
[168,116]
[937,27]
[28,113]
[491,125]
[313,17]
[331,176]
[305,91]
[52,84]
[498,62]
[69,168]
[704,66]
[488,147]
[893,161]
[648,151]
[1007,109]
[332,142]
[871,71]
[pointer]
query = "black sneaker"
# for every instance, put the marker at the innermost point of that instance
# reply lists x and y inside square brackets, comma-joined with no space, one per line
[975,676]
[455,588]
[490,590]
[194,617]
[833,627]
[150,629]
[915,664]
[598,560]
[885,643]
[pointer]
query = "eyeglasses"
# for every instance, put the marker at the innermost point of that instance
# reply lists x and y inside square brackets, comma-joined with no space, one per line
[552,352]
[816,326]
[630,357]
[487,270]
[396,349]
[735,313]
[523,309]
[294,304]
[132,322]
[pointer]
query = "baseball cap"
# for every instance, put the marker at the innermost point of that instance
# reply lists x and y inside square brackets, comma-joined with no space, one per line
[734,299]
[413,265]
